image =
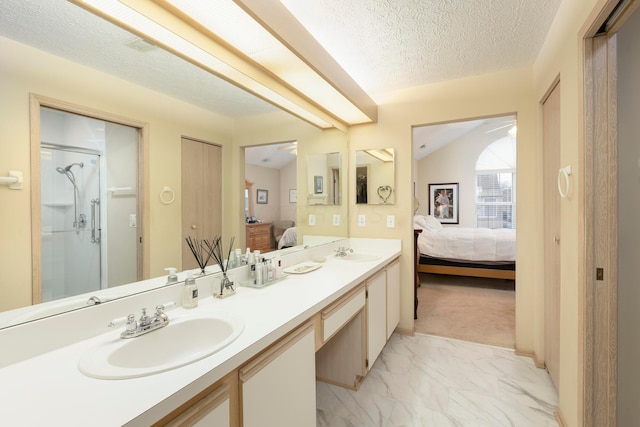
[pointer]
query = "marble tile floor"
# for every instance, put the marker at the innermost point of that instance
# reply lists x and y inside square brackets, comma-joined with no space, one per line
[424,380]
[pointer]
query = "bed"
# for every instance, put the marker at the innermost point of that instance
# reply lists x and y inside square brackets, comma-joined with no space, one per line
[476,252]
[457,251]
[289,238]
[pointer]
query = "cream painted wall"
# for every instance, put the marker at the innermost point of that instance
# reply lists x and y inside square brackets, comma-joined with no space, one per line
[488,95]
[561,56]
[282,127]
[265,179]
[453,163]
[288,181]
[24,70]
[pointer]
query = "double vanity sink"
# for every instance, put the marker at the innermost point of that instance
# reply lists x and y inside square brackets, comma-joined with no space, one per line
[186,339]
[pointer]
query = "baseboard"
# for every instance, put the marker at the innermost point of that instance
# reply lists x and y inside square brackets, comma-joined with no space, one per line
[404,331]
[559,418]
[532,354]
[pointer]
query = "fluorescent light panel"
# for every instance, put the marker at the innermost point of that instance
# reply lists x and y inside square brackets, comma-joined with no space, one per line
[163,37]
[228,21]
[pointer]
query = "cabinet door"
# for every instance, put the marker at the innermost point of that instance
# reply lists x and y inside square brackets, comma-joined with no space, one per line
[393,297]
[278,388]
[211,410]
[376,316]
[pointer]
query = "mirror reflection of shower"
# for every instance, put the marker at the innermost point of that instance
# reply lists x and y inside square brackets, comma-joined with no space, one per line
[78,221]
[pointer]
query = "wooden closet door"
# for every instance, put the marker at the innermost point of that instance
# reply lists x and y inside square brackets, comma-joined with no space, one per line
[201,194]
[551,164]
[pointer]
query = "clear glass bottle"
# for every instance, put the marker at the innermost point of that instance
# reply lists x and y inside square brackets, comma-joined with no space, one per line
[190,293]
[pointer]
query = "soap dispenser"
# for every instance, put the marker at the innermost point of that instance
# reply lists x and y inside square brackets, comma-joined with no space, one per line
[173,277]
[190,293]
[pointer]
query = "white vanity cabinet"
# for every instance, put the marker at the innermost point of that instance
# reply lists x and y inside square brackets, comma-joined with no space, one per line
[393,296]
[278,387]
[216,406]
[376,287]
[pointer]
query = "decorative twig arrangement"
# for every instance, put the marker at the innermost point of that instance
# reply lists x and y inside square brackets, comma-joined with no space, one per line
[217,251]
[202,250]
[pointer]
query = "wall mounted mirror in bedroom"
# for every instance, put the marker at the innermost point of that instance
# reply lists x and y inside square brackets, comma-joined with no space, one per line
[323,179]
[375,176]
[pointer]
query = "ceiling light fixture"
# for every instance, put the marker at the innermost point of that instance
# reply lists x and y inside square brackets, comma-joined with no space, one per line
[385,155]
[186,30]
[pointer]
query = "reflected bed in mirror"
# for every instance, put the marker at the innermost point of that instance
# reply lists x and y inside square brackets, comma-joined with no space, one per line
[375,176]
[323,179]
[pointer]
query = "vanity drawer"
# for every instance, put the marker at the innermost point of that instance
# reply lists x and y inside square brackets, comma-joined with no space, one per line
[340,312]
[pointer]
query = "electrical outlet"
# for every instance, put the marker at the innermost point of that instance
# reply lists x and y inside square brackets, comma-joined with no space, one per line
[336,219]
[312,219]
[361,221]
[391,221]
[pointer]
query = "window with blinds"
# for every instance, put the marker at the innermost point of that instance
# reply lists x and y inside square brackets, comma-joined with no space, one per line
[495,185]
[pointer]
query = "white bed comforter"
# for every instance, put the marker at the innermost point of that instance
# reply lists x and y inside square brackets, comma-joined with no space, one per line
[470,244]
[289,238]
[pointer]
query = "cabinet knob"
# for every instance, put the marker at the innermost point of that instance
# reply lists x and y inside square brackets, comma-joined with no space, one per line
[193,226]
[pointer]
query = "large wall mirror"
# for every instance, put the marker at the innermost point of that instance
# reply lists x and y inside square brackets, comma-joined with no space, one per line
[375,176]
[86,46]
[324,179]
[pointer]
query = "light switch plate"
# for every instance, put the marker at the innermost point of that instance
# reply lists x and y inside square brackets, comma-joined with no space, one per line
[361,221]
[336,219]
[391,221]
[132,221]
[312,219]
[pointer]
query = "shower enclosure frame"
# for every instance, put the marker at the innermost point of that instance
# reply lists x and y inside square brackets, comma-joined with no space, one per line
[86,219]
[143,235]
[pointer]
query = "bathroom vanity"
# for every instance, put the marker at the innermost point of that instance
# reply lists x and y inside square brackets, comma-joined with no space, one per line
[330,323]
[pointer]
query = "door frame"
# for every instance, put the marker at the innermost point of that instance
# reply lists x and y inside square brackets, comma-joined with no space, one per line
[599,233]
[143,224]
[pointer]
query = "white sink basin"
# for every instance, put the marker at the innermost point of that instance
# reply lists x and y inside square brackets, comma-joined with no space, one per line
[184,340]
[359,257]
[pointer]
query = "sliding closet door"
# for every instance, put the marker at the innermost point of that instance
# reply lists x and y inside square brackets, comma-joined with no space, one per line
[551,160]
[201,194]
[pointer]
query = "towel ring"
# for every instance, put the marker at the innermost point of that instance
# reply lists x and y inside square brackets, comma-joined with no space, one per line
[564,173]
[170,192]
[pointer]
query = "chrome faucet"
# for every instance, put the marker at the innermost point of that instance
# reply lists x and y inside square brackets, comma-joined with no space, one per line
[342,251]
[135,328]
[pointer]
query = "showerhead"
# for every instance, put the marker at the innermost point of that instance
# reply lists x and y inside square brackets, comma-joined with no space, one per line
[68,168]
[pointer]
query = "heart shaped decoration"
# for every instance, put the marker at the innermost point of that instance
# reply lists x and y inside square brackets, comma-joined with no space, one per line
[384,192]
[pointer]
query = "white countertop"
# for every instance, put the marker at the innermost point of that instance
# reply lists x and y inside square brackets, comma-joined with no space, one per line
[48,389]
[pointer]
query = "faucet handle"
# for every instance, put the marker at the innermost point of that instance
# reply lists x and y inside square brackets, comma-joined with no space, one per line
[119,321]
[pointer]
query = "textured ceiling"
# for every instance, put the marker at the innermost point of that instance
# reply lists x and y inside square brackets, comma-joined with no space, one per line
[387,45]
[65,30]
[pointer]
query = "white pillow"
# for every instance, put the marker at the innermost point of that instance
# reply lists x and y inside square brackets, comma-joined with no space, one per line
[419,222]
[432,224]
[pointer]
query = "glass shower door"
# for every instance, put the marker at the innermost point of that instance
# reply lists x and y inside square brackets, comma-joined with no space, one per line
[70,185]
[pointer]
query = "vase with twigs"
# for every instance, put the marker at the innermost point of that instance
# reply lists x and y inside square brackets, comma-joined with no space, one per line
[217,251]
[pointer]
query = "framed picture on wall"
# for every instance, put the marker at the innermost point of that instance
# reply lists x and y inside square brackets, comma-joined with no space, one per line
[262,197]
[293,195]
[317,184]
[443,202]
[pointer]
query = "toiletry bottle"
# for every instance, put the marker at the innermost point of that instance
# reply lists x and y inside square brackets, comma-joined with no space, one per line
[245,257]
[173,277]
[259,273]
[252,268]
[238,262]
[190,293]
[278,267]
[231,262]
[269,265]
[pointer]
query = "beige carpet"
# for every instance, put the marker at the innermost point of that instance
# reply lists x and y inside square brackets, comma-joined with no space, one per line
[466,308]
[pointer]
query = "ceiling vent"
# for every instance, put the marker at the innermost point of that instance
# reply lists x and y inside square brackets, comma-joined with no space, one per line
[142,45]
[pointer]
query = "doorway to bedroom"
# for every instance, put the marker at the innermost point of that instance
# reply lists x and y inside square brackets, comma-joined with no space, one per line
[464,222]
